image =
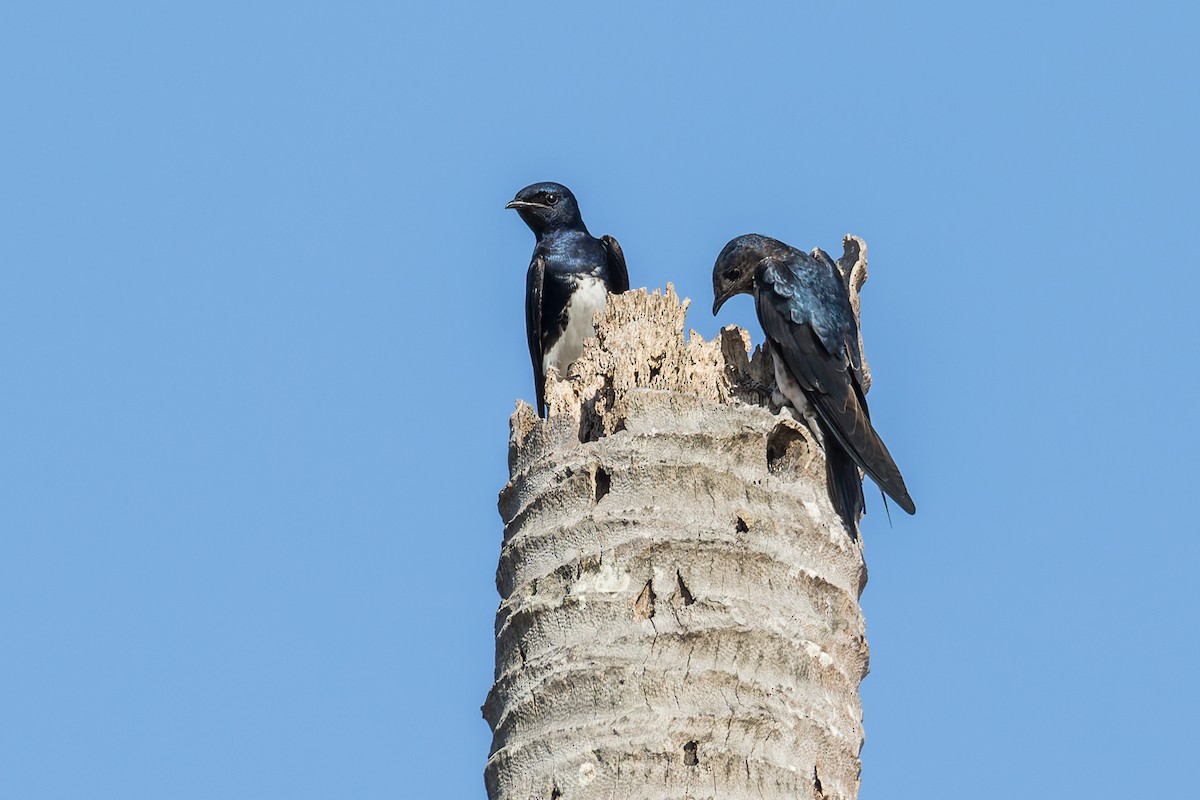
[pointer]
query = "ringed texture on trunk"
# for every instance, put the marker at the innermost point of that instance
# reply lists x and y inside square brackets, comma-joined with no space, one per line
[679,613]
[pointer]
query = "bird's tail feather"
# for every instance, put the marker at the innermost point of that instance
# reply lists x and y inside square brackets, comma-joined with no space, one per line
[852,429]
[845,487]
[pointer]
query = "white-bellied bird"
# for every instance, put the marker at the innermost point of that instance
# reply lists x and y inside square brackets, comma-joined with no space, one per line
[570,277]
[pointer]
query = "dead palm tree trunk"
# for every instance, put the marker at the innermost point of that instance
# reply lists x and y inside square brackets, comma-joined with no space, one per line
[680,610]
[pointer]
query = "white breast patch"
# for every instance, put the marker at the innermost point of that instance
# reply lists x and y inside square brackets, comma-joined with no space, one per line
[590,296]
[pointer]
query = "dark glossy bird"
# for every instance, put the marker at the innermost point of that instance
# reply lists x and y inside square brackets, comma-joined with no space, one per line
[804,307]
[570,277]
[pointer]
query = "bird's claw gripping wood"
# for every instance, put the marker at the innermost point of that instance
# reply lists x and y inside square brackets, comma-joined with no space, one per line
[767,395]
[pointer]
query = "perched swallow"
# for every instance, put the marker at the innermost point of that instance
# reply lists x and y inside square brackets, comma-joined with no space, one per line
[569,279]
[803,305]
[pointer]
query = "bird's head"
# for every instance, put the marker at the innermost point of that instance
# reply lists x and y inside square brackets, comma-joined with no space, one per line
[545,206]
[734,271]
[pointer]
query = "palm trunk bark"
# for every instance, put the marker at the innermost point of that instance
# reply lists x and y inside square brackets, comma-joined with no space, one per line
[679,614]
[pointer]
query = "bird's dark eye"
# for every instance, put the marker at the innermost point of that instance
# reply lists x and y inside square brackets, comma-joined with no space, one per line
[551,199]
[731,274]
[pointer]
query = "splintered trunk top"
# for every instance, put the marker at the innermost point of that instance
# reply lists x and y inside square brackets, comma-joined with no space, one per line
[679,614]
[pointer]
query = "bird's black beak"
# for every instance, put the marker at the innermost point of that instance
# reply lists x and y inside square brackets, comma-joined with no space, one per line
[720,301]
[520,204]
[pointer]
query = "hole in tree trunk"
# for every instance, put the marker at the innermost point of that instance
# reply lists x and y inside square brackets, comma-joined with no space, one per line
[741,526]
[684,594]
[603,482]
[787,450]
[690,758]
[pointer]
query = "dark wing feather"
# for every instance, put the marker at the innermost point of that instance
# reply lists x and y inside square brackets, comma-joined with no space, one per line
[829,376]
[823,257]
[618,274]
[533,326]
[845,486]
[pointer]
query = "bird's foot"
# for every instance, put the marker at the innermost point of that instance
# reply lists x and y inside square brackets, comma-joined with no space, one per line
[747,385]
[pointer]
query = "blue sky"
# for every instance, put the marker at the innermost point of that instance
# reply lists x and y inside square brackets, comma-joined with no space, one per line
[261,329]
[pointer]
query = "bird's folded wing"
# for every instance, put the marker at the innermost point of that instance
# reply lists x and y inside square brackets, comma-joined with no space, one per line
[830,380]
[616,265]
[533,326]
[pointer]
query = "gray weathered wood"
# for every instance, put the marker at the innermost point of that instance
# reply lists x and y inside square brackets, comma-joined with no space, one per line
[679,614]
